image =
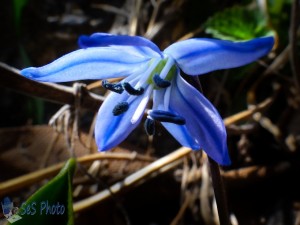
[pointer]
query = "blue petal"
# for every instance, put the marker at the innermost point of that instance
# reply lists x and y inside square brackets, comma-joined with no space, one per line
[204,128]
[144,45]
[111,130]
[199,56]
[91,63]
[180,133]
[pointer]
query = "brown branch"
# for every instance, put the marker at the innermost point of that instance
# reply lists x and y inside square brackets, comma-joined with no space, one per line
[159,166]
[242,177]
[11,78]
[243,115]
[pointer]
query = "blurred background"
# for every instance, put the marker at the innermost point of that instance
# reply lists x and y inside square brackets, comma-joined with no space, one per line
[259,103]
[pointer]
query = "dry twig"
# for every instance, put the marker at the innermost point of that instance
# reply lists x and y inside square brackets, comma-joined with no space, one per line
[11,78]
[34,177]
[161,165]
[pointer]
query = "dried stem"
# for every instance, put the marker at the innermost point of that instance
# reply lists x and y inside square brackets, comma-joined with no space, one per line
[161,165]
[31,178]
[135,17]
[110,8]
[11,78]
[248,113]
[182,209]
[156,6]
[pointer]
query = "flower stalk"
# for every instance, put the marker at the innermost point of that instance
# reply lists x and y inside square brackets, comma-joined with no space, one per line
[217,180]
[220,192]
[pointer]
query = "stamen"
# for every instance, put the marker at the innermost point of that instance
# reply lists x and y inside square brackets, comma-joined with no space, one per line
[167,97]
[159,82]
[142,105]
[120,108]
[131,90]
[169,69]
[118,88]
[165,116]
[149,126]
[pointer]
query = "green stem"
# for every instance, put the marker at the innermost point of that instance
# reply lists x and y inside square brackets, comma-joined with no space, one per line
[217,182]
[220,194]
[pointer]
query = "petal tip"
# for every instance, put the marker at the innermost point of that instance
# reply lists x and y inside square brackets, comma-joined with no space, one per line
[28,72]
[267,41]
[102,146]
[225,161]
[102,149]
[83,40]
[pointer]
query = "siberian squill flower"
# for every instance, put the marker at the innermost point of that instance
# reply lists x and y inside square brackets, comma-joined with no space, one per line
[149,72]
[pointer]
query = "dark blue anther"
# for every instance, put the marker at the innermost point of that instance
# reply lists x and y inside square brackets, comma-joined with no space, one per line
[159,82]
[118,88]
[149,126]
[131,90]
[164,116]
[120,108]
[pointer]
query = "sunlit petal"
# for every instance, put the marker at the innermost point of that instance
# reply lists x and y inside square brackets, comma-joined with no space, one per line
[143,45]
[179,132]
[204,127]
[111,130]
[91,63]
[199,55]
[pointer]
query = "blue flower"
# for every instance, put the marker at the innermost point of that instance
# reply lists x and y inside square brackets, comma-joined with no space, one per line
[147,71]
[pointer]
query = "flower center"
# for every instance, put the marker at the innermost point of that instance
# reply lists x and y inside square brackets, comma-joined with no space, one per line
[163,73]
[158,75]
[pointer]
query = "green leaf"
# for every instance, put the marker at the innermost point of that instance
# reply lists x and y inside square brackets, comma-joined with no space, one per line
[238,23]
[18,7]
[52,203]
[276,7]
